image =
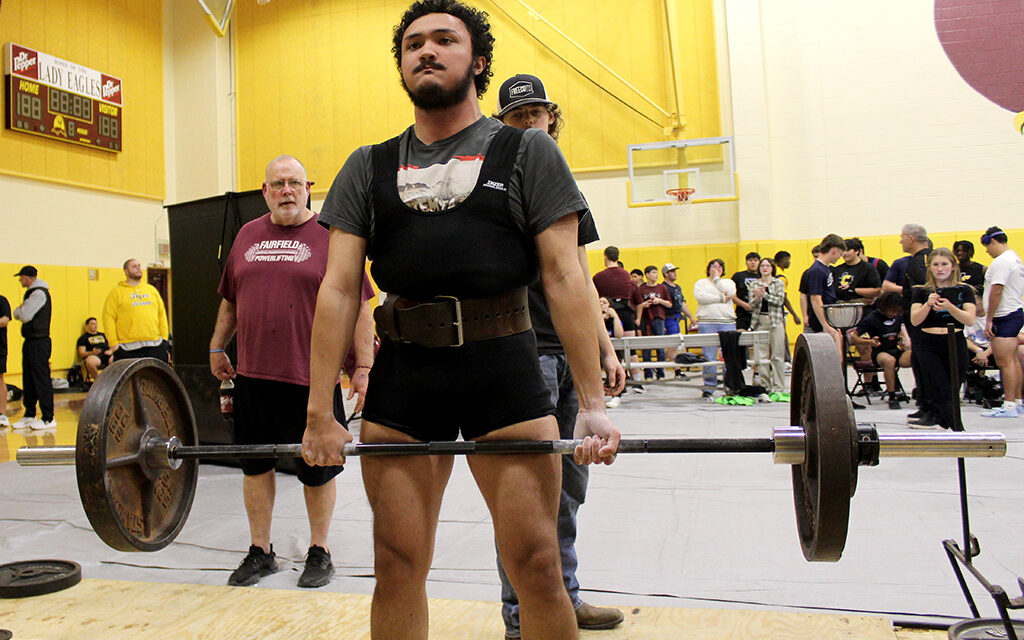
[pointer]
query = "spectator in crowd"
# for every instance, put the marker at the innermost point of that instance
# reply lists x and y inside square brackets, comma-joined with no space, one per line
[714,295]
[855,278]
[1004,317]
[878,339]
[904,274]
[34,314]
[742,280]
[611,318]
[135,319]
[782,262]
[971,272]
[637,276]
[802,289]
[767,299]
[677,312]
[93,350]
[821,287]
[615,284]
[881,266]
[941,301]
[652,300]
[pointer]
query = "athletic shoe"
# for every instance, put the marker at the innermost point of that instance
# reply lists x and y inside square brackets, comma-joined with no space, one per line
[613,402]
[639,389]
[595,618]
[707,394]
[1001,412]
[256,564]
[319,568]
[787,368]
[4,421]
[924,422]
[917,414]
[39,425]
[893,402]
[763,398]
[26,423]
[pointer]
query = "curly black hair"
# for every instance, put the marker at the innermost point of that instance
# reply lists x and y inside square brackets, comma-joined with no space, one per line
[476,23]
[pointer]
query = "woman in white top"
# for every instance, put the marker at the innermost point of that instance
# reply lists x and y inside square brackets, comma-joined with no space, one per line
[715,296]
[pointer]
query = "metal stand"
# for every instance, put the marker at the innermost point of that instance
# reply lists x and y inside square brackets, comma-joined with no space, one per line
[843,317]
[972,548]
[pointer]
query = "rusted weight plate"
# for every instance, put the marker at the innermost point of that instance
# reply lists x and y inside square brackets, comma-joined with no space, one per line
[825,482]
[133,505]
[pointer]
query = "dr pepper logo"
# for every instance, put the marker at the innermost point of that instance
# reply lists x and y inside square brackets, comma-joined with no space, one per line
[111,88]
[24,62]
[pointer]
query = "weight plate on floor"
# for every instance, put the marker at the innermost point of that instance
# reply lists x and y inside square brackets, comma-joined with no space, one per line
[984,629]
[36,577]
[132,505]
[825,482]
[5,634]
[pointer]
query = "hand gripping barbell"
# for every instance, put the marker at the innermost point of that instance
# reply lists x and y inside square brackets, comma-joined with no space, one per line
[137,451]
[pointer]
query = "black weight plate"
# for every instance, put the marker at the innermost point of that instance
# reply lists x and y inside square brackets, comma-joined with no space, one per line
[132,507]
[5,634]
[984,629]
[36,577]
[825,482]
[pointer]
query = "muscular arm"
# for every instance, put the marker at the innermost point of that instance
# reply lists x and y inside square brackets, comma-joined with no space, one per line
[609,360]
[994,299]
[337,308]
[227,321]
[575,316]
[888,286]
[363,346]
[868,292]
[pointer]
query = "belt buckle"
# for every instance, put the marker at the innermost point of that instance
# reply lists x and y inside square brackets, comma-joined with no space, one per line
[457,321]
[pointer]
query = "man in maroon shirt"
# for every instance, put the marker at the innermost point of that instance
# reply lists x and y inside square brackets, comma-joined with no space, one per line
[269,286]
[615,284]
[652,299]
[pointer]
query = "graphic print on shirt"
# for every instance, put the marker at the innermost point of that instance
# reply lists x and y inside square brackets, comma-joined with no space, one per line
[278,251]
[440,186]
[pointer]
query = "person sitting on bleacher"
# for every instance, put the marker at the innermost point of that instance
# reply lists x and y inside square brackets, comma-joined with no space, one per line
[93,349]
[879,339]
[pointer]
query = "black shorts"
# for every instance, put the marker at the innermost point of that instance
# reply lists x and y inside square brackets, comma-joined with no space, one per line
[433,394]
[895,353]
[1008,326]
[272,412]
[3,362]
[625,311]
[104,359]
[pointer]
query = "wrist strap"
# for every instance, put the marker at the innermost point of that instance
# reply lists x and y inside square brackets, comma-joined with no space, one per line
[216,351]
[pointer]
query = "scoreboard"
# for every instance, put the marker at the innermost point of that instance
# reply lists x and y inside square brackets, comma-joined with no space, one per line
[50,97]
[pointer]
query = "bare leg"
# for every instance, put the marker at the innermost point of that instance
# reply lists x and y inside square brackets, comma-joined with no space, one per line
[92,365]
[405,495]
[320,508]
[3,395]
[1005,352]
[888,364]
[259,506]
[522,494]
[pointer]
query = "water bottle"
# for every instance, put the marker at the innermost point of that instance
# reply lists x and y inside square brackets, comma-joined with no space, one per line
[227,398]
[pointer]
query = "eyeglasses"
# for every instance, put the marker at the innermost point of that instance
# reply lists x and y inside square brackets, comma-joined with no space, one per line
[295,185]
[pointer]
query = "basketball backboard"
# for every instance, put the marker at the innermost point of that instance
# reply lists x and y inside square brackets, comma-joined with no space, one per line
[706,165]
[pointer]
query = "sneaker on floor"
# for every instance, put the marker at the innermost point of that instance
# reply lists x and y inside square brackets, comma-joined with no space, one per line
[893,402]
[26,423]
[707,394]
[590,617]
[917,414]
[4,421]
[256,564]
[40,425]
[787,368]
[924,422]
[1001,412]
[639,389]
[764,398]
[319,568]
[613,402]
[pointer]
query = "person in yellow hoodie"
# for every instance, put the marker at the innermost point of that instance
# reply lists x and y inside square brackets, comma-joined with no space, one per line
[134,318]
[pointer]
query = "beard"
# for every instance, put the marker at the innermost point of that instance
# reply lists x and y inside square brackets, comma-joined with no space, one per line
[434,97]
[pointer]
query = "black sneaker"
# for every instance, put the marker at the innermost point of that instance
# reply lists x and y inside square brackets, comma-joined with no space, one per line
[319,568]
[917,414]
[894,403]
[256,564]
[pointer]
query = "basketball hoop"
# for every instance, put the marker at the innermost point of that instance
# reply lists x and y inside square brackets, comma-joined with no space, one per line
[680,199]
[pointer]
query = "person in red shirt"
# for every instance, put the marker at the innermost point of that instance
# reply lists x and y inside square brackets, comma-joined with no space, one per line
[652,299]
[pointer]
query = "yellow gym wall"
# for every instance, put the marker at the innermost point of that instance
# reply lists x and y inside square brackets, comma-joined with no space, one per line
[342,88]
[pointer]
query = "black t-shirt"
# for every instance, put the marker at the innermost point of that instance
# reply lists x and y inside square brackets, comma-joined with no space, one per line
[959,295]
[974,275]
[915,275]
[820,282]
[540,315]
[887,330]
[881,266]
[5,310]
[93,340]
[850,277]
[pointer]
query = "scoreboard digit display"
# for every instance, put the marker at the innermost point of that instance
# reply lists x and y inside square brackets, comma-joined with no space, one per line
[50,97]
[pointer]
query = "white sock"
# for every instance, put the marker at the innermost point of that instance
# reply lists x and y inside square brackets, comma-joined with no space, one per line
[1009,405]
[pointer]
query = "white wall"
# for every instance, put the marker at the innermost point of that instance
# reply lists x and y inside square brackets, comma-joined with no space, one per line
[849,118]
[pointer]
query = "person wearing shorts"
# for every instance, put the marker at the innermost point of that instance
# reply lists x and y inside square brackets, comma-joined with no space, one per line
[93,350]
[269,288]
[1004,318]
[877,337]
[459,213]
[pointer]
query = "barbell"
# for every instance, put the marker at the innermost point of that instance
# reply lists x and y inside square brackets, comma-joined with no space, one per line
[137,451]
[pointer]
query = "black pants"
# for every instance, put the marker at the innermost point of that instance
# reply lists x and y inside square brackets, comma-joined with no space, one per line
[160,352]
[915,365]
[934,388]
[35,364]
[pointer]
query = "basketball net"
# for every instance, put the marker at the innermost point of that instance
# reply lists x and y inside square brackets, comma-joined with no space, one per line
[680,199]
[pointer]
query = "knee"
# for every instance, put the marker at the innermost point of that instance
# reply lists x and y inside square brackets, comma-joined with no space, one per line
[397,564]
[536,570]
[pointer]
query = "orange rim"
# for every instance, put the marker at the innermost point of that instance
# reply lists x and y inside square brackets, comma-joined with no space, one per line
[680,195]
